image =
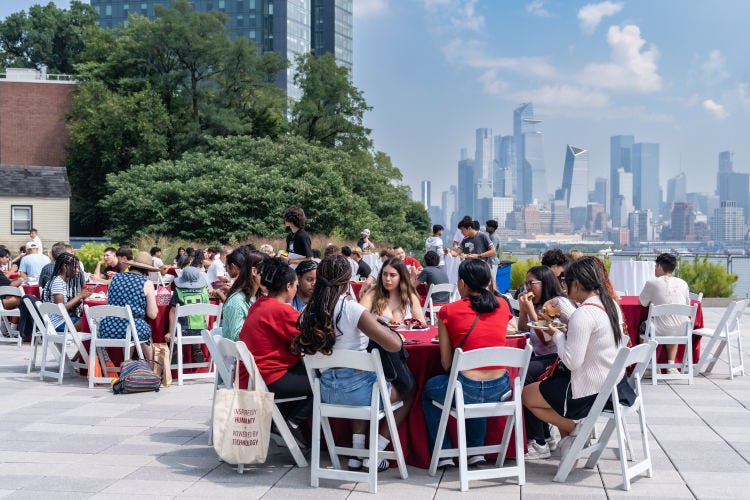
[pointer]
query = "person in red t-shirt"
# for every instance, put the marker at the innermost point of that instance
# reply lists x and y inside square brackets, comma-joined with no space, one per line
[478,320]
[269,328]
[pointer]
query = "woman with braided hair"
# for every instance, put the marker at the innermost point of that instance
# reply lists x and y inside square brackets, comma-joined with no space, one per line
[587,351]
[64,288]
[332,321]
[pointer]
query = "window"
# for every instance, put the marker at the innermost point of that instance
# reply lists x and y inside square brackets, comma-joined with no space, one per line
[20,219]
[108,10]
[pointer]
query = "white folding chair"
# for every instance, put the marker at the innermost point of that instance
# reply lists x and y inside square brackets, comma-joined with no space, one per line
[179,340]
[6,327]
[37,333]
[616,415]
[513,302]
[59,341]
[726,333]
[686,339]
[365,361]
[454,406]
[696,296]
[429,305]
[95,315]
[226,354]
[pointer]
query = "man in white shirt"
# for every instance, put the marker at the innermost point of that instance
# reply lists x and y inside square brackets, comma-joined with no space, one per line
[667,289]
[33,236]
[435,243]
[217,270]
[33,262]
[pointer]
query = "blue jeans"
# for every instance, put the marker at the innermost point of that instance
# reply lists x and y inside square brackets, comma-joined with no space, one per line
[347,386]
[475,391]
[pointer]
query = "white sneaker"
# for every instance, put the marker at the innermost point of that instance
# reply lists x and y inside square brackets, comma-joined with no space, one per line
[673,371]
[554,438]
[445,463]
[476,460]
[537,451]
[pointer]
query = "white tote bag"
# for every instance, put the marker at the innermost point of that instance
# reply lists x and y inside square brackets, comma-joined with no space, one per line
[242,424]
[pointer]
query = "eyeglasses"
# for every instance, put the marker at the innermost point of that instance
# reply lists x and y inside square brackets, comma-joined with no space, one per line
[561,279]
[531,283]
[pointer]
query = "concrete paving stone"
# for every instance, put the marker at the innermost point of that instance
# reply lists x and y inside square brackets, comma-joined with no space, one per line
[296,483]
[719,484]
[110,458]
[689,466]
[159,472]
[255,474]
[13,445]
[148,439]
[36,495]
[127,421]
[185,424]
[35,457]
[86,444]
[152,449]
[143,487]
[244,491]
[697,433]
[639,490]
[119,496]
[187,462]
[174,431]
[68,484]
[102,409]
[4,493]
[15,481]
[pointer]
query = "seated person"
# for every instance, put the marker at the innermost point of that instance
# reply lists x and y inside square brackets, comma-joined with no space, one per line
[667,289]
[133,288]
[306,272]
[432,274]
[243,266]
[191,287]
[54,252]
[32,263]
[478,320]
[16,263]
[346,251]
[269,329]
[124,255]
[393,297]
[412,264]
[63,289]
[111,265]
[9,301]
[363,268]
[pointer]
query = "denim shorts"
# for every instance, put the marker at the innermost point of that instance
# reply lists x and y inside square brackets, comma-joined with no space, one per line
[347,386]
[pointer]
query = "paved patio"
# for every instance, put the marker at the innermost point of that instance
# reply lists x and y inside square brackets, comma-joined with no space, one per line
[71,442]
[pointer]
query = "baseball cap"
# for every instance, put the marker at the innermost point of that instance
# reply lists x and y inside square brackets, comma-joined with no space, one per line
[366,232]
[31,244]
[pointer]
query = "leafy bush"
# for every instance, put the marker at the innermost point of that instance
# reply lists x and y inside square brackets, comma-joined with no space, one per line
[91,253]
[519,270]
[707,277]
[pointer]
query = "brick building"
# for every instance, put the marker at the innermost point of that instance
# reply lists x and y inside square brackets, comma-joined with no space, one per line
[33,138]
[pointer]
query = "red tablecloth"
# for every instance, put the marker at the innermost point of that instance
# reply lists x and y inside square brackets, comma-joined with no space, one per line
[424,362]
[32,290]
[634,314]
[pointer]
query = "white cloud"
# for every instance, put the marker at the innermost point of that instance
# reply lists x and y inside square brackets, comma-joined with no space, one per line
[492,84]
[564,96]
[536,8]
[365,9]
[461,14]
[475,55]
[715,109]
[714,68]
[592,14]
[631,68]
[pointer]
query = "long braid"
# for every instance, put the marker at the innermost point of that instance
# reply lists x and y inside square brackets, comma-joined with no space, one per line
[65,265]
[316,324]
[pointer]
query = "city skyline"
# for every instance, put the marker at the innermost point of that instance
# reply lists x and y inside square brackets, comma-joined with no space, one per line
[592,70]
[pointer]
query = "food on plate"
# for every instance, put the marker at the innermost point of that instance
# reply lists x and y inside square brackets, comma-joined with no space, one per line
[414,324]
[551,310]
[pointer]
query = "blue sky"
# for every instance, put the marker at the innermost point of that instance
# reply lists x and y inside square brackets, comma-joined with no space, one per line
[669,71]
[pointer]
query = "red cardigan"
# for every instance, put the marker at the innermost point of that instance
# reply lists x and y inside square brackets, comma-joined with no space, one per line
[268,331]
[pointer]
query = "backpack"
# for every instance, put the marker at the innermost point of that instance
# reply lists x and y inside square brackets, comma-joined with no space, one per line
[187,296]
[136,376]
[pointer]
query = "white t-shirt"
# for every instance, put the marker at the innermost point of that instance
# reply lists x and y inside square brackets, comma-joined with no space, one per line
[348,335]
[667,290]
[59,287]
[215,270]
[36,239]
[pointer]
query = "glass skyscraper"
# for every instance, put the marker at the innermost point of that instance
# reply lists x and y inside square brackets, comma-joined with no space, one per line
[287,27]
[619,157]
[646,188]
[530,174]
[575,184]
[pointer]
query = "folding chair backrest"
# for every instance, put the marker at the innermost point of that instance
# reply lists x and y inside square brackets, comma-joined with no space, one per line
[11,290]
[441,288]
[211,339]
[655,311]
[34,313]
[640,356]
[95,314]
[59,310]
[359,360]
[734,323]
[509,357]
[183,311]
[228,355]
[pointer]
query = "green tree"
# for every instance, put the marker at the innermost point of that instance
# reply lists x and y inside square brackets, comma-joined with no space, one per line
[331,109]
[47,36]
[710,278]
[108,133]
[240,186]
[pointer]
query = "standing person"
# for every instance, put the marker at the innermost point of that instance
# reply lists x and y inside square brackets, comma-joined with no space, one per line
[297,241]
[435,243]
[333,322]
[34,236]
[243,266]
[364,241]
[268,331]
[133,288]
[32,263]
[476,321]
[667,289]
[474,245]
[494,260]
[588,351]
[306,275]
